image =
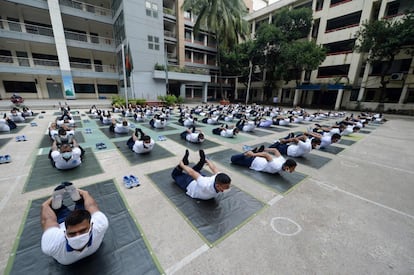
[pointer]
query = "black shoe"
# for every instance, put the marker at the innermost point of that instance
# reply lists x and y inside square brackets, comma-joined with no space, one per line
[254,150]
[261,148]
[185,158]
[291,135]
[202,156]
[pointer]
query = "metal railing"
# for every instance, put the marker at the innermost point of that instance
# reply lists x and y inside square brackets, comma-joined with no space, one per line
[39,62]
[86,7]
[45,31]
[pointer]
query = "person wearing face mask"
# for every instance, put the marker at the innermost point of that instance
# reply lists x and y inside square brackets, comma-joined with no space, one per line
[261,161]
[196,185]
[296,146]
[67,157]
[71,235]
[119,128]
[140,143]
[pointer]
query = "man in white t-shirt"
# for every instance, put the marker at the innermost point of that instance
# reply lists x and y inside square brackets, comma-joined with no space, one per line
[296,146]
[326,139]
[67,157]
[195,184]
[224,131]
[140,143]
[261,161]
[69,236]
[192,135]
[119,128]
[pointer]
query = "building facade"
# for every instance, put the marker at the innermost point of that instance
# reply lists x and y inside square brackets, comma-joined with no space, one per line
[74,49]
[344,80]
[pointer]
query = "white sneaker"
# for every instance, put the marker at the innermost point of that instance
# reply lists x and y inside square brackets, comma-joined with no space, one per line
[57,196]
[71,189]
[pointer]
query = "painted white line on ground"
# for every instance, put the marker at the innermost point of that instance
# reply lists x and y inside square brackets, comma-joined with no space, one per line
[186,260]
[274,226]
[275,200]
[7,196]
[361,198]
[379,164]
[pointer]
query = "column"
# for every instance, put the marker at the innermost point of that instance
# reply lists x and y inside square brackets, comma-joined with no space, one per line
[182,90]
[296,98]
[339,99]
[61,48]
[204,92]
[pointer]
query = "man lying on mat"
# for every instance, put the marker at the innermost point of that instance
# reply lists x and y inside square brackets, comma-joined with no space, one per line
[67,156]
[195,183]
[69,236]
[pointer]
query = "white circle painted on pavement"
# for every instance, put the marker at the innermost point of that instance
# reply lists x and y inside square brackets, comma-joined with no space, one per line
[290,227]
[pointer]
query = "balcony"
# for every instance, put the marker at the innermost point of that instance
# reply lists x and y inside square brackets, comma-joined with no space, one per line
[20,27]
[86,7]
[36,63]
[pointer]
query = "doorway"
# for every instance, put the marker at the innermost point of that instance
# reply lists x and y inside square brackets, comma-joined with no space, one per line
[54,90]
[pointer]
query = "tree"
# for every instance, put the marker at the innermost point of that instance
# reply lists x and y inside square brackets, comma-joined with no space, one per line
[225,18]
[383,40]
[298,56]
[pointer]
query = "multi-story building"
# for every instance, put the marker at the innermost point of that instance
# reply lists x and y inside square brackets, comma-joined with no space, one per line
[344,79]
[73,49]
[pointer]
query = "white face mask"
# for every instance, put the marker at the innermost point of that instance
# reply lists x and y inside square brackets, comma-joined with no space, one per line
[317,147]
[79,241]
[67,155]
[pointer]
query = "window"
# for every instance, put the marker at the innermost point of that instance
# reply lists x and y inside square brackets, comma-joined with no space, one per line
[319,5]
[187,35]
[392,8]
[392,95]
[338,2]
[22,58]
[45,59]
[119,29]
[153,43]
[80,63]
[151,9]
[398,66]
[19,87]
[340,47]
[187,14]
[332,71]
[84,88]
[107,89]
[410,96]
[370,95]
[6,56]
[354,95]
[342,22]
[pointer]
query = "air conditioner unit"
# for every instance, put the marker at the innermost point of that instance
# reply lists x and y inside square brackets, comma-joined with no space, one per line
[396,76]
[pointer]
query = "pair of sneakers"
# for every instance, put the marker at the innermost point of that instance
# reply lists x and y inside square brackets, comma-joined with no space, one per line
[5,159]
[258,149]
[21,138]
[130,181]
[59,192]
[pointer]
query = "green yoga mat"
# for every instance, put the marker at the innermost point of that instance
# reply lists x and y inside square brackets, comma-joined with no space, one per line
[193,146]
[13,131]
[332,149]
[124,249]
[346,141]
[4,141]
[212,219]
[47,141]
[281,182]
[157,153]
[257,133]
[110,134]
[43,174]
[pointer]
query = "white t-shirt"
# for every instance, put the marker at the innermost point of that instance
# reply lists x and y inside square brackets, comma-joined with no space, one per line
[249,127]
[139,146]
[4,126]
[53,241]
[193,137]
[188,122]
[73,162]
[121,129]
[348,130]
[299,149]
[17,117]
[160,124]
[261,164]
[202,188]
[227,133]
[326,140]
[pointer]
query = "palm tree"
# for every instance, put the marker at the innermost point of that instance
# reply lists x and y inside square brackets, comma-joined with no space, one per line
[225,18]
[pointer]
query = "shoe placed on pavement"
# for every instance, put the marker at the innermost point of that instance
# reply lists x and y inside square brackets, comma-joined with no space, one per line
[134,181]
[291,135]
[57,196]
[247,148]
[23,138]
[72,191]
[127,182]
[2,159]
[7,158]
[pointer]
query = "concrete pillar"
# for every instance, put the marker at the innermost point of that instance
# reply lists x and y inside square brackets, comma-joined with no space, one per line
[204,92]
[296,98]
[182,90]
[403,94]
[339,99]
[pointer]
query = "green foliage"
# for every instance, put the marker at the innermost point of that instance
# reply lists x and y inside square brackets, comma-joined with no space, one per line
[294,24]
[170,100]
[120,101]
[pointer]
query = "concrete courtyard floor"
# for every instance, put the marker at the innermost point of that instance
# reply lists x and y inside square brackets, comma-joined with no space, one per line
[354,215]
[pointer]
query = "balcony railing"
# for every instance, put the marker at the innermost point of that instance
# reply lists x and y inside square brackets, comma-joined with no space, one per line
[37,63]
[45,31]
[169,11]
[86,7]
